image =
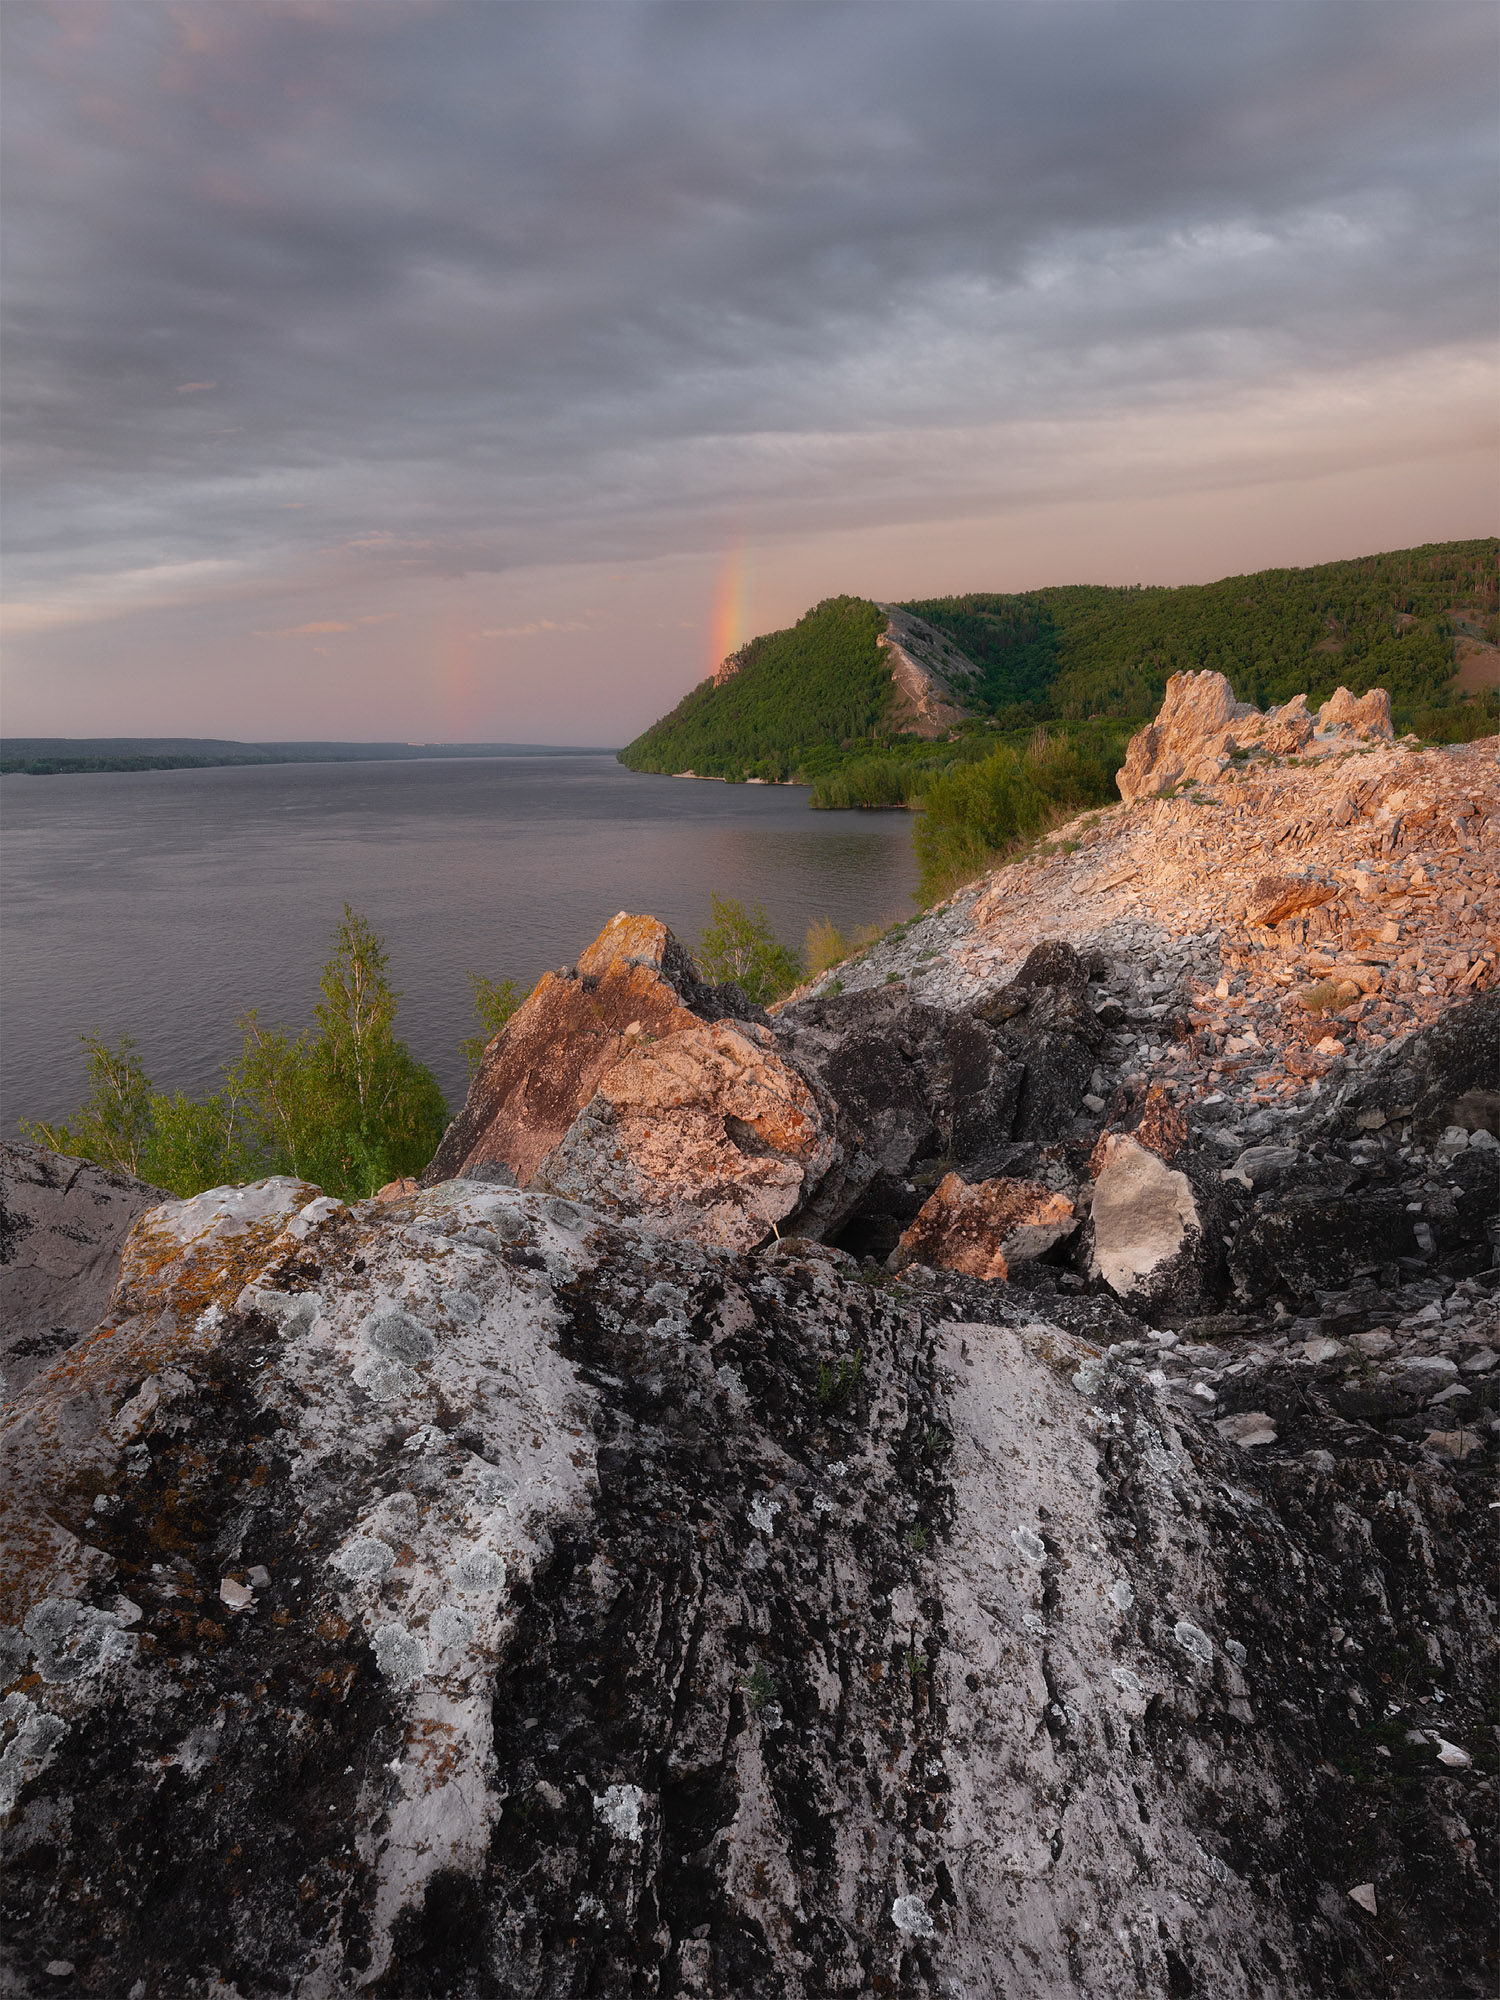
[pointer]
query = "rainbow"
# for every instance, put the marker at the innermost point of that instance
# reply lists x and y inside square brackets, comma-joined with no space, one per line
[726,625]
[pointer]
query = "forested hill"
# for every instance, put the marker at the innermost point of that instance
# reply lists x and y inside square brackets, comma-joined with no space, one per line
[802,699]
[1380,621]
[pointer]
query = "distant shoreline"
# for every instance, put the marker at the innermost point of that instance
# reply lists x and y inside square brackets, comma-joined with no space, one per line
[61,756]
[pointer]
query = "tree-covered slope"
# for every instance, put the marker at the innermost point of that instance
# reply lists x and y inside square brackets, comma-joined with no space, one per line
[1381,621]
[806,701]
[823,681]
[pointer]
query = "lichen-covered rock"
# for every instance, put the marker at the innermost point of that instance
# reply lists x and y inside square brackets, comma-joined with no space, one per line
[634,982]
[486,1599]
[984,1230]
[62,1223]
[707,1133]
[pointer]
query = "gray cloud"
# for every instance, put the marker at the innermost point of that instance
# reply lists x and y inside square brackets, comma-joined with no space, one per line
[418,288]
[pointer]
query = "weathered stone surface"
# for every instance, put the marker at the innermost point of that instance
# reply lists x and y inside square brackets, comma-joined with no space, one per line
[1288,729]
[494,1601]
[634,981]
[985,1230]
[1148,1236]
[1200,728]
[1191,737]
[1276,897]
[1364,717]
[1439,1077]
[708,1133]
[62,1223]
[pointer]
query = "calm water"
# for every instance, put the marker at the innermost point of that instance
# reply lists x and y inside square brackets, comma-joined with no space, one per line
[163,903]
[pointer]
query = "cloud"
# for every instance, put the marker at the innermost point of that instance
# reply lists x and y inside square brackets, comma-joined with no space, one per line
[536,626]
[487,288]
[316,629]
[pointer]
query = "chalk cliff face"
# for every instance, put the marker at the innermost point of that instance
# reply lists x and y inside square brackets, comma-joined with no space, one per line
[975,1484]
[928,672]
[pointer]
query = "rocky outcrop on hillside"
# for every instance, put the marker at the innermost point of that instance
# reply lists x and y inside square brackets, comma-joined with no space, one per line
[930,676]
[1202,729]
[977,1484]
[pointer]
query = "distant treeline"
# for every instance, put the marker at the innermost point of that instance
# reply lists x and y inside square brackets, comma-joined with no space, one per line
[53,756]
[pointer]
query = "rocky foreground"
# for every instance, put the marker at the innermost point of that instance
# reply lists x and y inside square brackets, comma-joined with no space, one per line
[978,1483]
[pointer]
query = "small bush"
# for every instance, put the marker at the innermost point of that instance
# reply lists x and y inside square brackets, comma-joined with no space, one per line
[826,946]
[759,1686]
[1321,998]
[347,1107]
[838,1380]
[495,1000]
[740,946]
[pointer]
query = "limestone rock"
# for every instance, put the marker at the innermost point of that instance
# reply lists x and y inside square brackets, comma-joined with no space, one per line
[1288,729]
[497,1601]
[708,1133]
[1147,1224]
[1441,1077]
[1364,717]
[1192,736]
[634,982]
[1200,728]
[985,1230]
[62,1225]
[1276,897]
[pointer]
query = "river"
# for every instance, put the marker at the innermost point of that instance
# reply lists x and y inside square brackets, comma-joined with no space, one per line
[162,904]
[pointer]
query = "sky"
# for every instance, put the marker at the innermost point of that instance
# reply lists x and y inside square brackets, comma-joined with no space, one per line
[468,372]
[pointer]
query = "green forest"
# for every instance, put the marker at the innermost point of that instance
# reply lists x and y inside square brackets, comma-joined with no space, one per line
[813,703]
[820,684]
[1083,650]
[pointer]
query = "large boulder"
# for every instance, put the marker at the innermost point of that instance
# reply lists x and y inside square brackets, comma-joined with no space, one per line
[1200,727]
[914,1083]
[635,982]
[986,1230]
[1192,737]
[462,1596]
[708,1133]
[1448,1074]
[1156,1226]
[62,1225]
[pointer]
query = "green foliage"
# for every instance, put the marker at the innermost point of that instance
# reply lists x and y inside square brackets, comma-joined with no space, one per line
[838,1380]
[347,1107]
[113,1125]
[759,1686]
[1381,621]
[740,946]
[977,812]
[823,681]
[495,1000]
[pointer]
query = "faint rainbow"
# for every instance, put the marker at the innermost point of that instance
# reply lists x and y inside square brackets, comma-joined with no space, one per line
[726,630]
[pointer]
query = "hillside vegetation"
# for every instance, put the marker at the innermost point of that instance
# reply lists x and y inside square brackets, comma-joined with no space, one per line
[820,684]
[1381,621]
[814,703]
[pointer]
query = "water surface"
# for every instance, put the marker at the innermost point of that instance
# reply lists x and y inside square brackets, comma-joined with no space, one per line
[164,903]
